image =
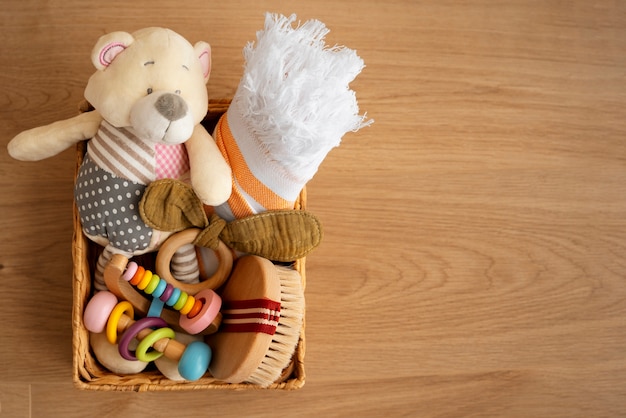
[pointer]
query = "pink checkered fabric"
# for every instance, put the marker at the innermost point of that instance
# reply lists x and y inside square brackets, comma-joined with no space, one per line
[171,161]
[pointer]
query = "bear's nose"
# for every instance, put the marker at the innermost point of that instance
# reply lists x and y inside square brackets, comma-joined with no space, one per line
[171,106]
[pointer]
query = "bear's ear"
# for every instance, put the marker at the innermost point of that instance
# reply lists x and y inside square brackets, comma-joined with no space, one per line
[203,52]
[108,47]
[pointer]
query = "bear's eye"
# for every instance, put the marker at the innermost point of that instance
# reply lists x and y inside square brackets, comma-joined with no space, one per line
[177,92]
[149,91]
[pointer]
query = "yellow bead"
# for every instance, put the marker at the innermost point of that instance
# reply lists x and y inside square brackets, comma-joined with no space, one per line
[145,280]
[188,305]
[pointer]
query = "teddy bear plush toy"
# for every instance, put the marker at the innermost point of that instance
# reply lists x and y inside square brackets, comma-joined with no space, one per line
[149,96]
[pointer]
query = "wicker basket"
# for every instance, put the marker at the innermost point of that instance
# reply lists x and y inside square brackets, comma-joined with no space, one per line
[90,375]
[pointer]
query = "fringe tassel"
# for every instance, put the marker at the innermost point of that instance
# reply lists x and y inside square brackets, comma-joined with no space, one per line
[295,93]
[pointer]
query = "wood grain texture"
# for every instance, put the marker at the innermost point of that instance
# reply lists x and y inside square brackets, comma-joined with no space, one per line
[473,262]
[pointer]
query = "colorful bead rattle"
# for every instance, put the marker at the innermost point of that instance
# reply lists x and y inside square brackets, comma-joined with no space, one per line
[103,312]
[196,313]
[199,313]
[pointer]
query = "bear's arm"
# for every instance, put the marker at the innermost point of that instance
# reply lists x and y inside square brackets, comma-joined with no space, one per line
[45,141]
[210,174]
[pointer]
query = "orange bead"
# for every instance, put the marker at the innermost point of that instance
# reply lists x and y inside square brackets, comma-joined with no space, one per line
[138,276]
[197,307]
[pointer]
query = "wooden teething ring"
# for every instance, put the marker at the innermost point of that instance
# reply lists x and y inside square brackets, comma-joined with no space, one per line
[173,243]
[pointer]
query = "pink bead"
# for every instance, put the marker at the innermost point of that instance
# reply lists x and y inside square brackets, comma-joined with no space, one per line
[210,309]
[98,310]
[131,269]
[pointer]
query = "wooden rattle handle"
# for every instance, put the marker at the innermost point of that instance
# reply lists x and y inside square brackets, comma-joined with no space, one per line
[171,348]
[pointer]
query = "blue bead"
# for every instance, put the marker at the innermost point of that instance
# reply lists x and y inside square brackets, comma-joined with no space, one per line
[195,361]
[173,297]
[159,289]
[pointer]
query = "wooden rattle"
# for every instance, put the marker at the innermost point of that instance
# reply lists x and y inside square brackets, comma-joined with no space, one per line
[104,312]
[116,267]
[198,314]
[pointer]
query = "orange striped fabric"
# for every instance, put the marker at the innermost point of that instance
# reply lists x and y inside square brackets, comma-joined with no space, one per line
[244,181]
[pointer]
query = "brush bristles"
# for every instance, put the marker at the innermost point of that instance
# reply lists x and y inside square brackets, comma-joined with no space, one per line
[285,339]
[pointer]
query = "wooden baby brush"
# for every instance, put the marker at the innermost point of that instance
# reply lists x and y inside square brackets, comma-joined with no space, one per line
[262,316]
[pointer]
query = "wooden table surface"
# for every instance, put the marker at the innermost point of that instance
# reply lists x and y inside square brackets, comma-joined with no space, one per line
[474,258]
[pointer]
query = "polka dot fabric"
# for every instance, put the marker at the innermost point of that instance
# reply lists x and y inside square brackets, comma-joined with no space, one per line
[109,206]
